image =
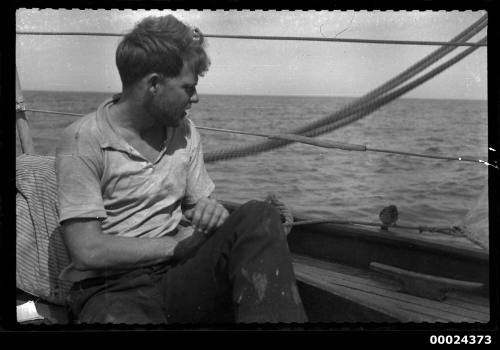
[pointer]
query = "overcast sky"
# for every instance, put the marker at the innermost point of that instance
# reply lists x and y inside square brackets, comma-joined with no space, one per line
[261,67]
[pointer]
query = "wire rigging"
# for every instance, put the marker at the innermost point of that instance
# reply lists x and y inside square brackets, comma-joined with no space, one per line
[281,38]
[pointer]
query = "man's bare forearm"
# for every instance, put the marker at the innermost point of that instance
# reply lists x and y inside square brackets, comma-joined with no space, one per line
[116,252]
[92,250]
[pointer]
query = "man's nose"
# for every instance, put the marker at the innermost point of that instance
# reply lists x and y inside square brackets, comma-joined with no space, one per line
[194,97]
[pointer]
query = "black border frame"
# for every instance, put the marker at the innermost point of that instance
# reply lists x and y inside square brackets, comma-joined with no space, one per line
[351,333]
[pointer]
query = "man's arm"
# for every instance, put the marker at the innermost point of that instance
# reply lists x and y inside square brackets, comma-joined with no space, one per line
[89,249]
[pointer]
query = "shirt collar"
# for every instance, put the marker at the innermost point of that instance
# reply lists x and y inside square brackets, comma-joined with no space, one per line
[109,137]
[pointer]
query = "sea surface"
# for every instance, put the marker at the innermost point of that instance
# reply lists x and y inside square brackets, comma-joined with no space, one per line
[321,182]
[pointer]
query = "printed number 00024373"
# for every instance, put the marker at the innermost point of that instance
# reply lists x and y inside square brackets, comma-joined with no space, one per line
[460,339]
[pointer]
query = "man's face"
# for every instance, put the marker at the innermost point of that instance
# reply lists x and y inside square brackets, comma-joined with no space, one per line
[174,97]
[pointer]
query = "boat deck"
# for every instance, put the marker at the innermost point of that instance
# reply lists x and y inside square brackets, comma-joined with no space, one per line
[363,295]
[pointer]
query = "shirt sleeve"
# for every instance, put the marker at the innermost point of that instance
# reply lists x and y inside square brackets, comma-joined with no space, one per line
[79,163]
[199,183]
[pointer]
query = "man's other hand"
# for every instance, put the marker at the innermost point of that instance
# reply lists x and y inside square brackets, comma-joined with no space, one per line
[207,215]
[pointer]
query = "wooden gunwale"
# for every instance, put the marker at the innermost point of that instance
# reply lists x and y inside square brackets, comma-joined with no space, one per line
[358,247]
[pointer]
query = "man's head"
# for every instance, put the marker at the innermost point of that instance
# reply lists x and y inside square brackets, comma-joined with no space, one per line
[161,59]
[160,45]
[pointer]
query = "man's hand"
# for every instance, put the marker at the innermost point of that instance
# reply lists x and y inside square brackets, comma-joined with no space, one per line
[207,215]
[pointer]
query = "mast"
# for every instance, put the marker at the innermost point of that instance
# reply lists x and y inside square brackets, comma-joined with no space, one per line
[22,126]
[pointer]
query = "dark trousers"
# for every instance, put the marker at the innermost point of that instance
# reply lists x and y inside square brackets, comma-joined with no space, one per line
[242,273]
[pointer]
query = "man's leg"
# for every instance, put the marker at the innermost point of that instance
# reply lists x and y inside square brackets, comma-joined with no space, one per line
[131,298]
[242,273]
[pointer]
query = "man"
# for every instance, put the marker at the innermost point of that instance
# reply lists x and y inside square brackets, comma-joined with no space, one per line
[126,176]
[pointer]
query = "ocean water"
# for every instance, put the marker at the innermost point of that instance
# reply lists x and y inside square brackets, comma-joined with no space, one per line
[323,182]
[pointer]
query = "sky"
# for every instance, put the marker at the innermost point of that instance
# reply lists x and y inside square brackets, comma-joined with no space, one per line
[258,67]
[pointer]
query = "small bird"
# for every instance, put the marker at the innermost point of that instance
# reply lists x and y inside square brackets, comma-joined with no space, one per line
[388,216]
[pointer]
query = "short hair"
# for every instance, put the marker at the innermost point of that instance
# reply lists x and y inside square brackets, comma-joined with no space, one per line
[161,45]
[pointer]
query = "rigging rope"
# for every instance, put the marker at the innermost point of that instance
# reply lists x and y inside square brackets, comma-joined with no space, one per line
[282,38]
[370,107]
[357,113]
[354,111]
[342,145]
[411,71]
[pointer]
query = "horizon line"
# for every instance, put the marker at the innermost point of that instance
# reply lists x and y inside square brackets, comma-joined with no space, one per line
[267,95]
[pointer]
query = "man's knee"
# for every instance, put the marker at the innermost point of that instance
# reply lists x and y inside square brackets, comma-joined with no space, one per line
[260,209]
[262,218]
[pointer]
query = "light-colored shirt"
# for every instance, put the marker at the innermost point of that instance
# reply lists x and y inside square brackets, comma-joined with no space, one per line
[101,176]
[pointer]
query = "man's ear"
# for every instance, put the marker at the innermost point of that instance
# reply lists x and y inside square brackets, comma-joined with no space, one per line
[153,80]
